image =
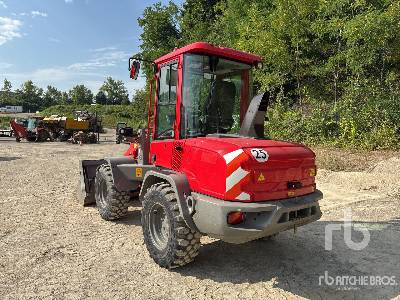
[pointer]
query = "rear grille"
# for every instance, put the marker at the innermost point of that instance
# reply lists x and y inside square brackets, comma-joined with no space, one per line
[298,214]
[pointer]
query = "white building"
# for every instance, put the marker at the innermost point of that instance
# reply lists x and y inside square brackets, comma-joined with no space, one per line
[11,109]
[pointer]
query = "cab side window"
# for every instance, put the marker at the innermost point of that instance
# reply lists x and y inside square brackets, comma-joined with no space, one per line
[166,106]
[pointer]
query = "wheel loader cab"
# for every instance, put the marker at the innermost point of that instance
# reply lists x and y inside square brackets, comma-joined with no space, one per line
[200,91]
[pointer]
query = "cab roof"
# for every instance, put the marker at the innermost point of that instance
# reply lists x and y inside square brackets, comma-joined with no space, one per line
[209,49]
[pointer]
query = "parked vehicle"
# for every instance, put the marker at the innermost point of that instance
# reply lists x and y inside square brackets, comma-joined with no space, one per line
[83,128]
[6,133]
[31,129]
[11,109]
[203,165]
[124,134]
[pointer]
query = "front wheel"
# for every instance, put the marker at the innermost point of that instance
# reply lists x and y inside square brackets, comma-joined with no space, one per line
[111,203]
[170,242]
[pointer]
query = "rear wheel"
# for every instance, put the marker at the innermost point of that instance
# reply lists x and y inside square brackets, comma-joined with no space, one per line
[111,203]
[170,242]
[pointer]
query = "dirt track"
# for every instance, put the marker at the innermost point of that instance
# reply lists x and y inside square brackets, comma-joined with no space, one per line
[50,247]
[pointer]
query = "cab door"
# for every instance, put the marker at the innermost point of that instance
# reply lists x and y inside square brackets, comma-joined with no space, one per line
[161,147]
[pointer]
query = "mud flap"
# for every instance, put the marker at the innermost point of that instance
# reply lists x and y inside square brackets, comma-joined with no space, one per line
[85,188]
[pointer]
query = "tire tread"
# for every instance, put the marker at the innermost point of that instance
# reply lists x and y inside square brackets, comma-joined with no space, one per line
[185,243]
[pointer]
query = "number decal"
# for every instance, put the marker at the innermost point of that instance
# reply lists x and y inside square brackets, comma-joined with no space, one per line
[260,155]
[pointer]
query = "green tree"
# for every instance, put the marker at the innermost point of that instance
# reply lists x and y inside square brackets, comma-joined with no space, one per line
[140,104]
[30,97]
[6,95]
[161,32]
[115,91]
[52,97]
[80,94]
[198,18]
[65,99]
[101,98]
[140,101]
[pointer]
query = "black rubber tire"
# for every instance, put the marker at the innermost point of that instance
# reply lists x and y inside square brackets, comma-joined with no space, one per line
[111,203]
[182,244]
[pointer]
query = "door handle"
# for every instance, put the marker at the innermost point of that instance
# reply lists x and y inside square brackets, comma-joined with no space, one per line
[178,148]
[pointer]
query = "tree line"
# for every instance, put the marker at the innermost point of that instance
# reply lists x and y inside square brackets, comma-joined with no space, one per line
[33,98]
[332,67]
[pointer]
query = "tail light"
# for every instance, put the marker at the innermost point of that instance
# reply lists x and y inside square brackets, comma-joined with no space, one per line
[235,217]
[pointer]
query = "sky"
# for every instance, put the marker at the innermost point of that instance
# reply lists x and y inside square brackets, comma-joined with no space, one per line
[68,42]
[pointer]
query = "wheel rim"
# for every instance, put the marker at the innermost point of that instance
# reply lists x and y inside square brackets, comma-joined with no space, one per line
[159,226]
[102,192]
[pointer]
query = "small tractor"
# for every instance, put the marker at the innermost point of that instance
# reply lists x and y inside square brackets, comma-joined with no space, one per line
[31,130]
[124,134]
[203,165]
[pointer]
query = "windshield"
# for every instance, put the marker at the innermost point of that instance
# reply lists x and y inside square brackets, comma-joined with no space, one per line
[212,90]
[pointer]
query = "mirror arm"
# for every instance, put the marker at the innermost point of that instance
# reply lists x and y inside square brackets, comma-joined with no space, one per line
[141,59]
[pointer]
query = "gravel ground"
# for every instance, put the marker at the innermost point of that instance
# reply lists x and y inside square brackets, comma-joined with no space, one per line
[50,247]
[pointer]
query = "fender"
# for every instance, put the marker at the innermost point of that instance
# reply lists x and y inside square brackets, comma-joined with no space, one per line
[180,184]
[127,175]
[124,171]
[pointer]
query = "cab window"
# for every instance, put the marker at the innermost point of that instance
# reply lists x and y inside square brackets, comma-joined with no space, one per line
[166,106]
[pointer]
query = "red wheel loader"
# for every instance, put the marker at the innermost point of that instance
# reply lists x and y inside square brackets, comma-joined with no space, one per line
[203,165]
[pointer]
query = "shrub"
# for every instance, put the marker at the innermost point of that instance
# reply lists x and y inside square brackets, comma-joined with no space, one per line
[5,122]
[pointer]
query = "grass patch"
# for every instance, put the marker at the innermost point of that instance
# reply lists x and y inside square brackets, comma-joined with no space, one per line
[335,159]
[5,122]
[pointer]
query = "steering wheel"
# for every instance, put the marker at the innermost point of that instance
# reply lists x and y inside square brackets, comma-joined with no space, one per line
[164,132]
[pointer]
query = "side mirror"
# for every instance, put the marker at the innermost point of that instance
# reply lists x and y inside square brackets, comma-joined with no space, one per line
[134,68]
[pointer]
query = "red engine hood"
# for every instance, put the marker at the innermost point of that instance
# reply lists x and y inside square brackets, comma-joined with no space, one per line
[226,145]
[227,168]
